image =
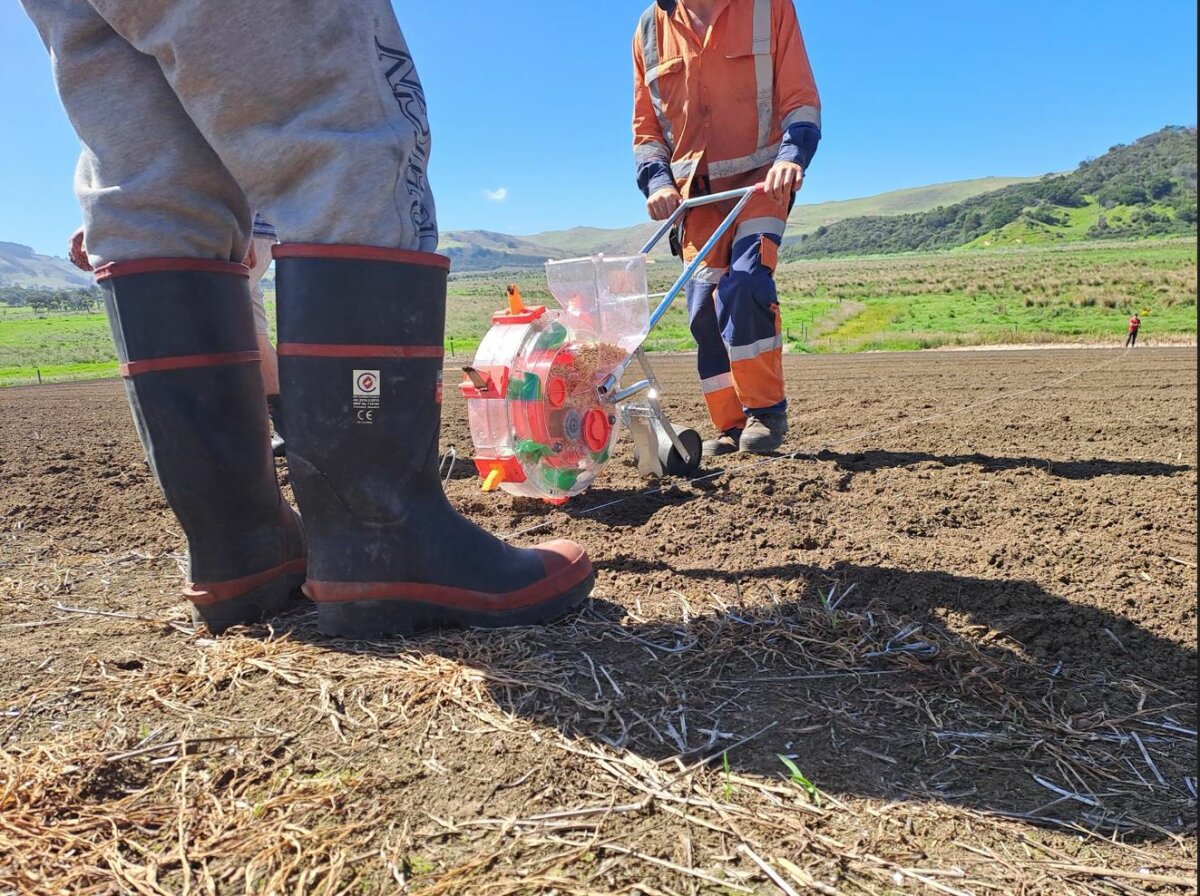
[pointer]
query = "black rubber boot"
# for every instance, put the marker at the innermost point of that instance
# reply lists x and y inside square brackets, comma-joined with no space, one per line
[360,360]
[185,340]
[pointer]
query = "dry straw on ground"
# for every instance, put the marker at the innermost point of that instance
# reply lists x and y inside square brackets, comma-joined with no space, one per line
[170,789]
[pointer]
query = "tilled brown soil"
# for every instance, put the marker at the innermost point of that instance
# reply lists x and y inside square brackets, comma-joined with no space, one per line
[964,607]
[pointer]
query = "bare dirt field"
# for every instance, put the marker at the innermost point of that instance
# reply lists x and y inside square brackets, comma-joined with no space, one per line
[963,612]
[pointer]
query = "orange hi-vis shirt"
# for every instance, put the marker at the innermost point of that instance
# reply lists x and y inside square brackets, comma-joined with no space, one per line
[716,105]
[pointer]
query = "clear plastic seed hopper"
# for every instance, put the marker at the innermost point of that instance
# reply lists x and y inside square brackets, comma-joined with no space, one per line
[543,393]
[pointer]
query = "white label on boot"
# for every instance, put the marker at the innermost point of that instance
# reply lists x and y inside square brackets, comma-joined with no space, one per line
[366,395]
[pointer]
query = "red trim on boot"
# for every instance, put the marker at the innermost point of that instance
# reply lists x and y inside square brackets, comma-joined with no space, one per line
[316,350]
[566,565]
[184,362]
[161,265]
[205,594]
[360,253]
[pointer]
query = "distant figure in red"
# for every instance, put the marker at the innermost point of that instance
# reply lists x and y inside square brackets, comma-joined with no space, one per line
[1134,323]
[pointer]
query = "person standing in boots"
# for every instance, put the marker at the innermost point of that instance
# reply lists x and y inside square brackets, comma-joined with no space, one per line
[181,139]
[724,98]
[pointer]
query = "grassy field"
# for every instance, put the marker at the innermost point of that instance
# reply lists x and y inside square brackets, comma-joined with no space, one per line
[74,346]
[1074,292]
[1077,292]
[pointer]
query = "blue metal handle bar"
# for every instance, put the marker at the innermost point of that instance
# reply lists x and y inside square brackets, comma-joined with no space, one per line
[743,197]
[692,203]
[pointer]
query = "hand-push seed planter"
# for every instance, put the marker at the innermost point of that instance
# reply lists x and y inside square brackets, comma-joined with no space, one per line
[543,394]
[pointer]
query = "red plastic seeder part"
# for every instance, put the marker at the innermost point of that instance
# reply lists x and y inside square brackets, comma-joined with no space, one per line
[556,391]
[596,429]
[490,388]
[509,467]
[517,313]
[528,316]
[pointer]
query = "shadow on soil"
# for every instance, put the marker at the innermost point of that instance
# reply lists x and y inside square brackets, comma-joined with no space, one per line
[1046,628]
[862,461]
[1049,712]
[615,508]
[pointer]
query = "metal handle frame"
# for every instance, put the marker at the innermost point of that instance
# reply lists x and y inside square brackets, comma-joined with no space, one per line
[609,390]
[612,381]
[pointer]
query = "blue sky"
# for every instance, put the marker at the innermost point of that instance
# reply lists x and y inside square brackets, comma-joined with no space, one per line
[529,102]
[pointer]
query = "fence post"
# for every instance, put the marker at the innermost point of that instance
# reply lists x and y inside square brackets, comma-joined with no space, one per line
[39,373]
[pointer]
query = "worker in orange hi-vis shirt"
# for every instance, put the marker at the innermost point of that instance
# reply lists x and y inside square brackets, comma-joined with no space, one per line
[724,97]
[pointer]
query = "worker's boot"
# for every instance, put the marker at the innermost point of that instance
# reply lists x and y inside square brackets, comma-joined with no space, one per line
[727,442]
[185,340]
[764,433]
[360,344]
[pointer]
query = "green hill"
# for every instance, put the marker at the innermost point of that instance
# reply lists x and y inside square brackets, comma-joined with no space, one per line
[807,218]
[20,266]
[1145,189]
[484,250]
[481,250]
[578,241]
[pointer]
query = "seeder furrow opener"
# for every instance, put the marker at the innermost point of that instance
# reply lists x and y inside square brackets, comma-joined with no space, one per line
[544,394]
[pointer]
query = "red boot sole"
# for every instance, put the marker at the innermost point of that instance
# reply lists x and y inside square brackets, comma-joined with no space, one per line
[372,619]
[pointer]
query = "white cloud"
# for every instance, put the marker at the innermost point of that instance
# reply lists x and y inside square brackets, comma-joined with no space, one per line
[498,195]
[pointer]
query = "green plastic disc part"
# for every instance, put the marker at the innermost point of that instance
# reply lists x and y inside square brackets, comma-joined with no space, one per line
[532,449]
[561,479]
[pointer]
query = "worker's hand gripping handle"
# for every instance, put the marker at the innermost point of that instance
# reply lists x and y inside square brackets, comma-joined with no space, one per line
[742,194]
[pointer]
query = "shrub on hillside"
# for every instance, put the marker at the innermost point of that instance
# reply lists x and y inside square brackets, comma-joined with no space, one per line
[1157,169]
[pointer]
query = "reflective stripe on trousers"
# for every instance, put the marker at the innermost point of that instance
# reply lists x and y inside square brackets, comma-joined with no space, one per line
[747,309]
[734,312]
[712,358]
[739,346]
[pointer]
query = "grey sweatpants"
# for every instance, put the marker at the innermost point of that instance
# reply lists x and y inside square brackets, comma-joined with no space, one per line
[193,112]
